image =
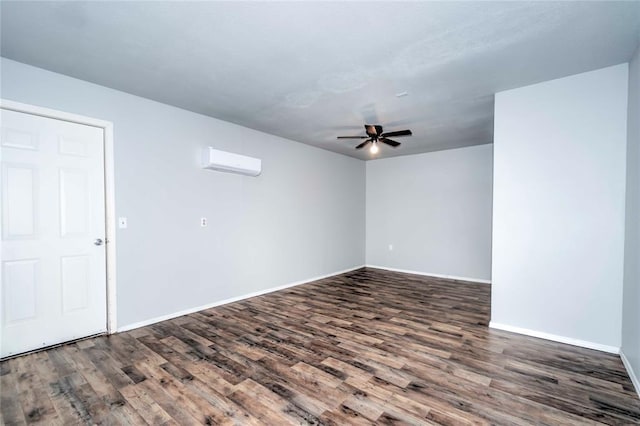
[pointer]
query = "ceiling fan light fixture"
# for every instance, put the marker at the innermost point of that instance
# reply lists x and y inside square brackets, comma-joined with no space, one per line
[375,136]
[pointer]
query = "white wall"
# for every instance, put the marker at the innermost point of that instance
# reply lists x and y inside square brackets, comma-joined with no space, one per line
[558,212]
[302,218]
[631,293]
[435,209]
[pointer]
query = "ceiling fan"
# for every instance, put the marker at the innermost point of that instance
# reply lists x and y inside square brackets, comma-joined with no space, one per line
[375,135]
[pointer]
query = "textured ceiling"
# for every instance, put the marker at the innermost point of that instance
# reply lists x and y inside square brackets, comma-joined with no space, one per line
[311,71]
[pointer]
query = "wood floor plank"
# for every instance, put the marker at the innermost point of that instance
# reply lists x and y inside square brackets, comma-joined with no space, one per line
[108,397]
[285,407]
[184,404]
[45,370]
[10,407]
[36,403]
[145,406]
[365,347]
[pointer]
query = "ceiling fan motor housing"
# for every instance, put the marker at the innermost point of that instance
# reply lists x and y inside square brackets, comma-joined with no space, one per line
[375,134]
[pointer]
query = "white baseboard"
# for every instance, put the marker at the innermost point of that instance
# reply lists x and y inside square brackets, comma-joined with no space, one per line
[556,338]
[428,274]
[231,300]
[631,372]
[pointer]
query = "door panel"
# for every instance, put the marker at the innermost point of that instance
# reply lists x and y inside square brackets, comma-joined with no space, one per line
[23,139]
[73,147]
[20,284]
[74,201]
[76,282]
[19,201]
[53,209]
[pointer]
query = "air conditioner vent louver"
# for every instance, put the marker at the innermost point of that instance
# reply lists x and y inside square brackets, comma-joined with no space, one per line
[229,162]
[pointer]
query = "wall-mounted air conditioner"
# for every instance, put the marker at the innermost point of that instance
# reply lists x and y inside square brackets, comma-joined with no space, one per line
[229,162]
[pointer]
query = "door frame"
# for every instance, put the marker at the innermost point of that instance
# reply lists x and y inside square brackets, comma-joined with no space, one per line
[109,187]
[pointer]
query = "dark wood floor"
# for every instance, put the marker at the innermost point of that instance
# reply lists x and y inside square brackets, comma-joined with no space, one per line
[364,347]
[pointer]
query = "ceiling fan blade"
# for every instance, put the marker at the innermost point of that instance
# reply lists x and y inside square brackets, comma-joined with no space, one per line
[352,137]
[363,144]
[390,142]
[373,130]
[397,133]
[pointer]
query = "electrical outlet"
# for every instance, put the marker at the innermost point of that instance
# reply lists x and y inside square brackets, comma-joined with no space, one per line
[390,247]
[122,222]
[203,222]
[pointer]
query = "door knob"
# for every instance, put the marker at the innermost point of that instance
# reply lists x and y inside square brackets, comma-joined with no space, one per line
[98,241]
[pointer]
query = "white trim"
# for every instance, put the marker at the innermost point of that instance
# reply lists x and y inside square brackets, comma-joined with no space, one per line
[632,374]
[110,209]
[110,200]
[429,274]
[555,338]
[230,300]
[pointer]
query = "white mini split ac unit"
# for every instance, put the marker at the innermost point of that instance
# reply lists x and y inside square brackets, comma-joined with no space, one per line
[232,163]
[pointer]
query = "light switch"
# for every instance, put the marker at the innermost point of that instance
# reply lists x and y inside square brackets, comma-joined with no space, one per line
[390,247]
[122,222]
[203,222]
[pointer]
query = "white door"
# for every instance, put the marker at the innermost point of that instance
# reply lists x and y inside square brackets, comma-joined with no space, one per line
[53,231]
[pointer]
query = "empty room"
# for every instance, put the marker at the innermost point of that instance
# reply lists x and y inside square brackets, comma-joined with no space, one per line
[320,213]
